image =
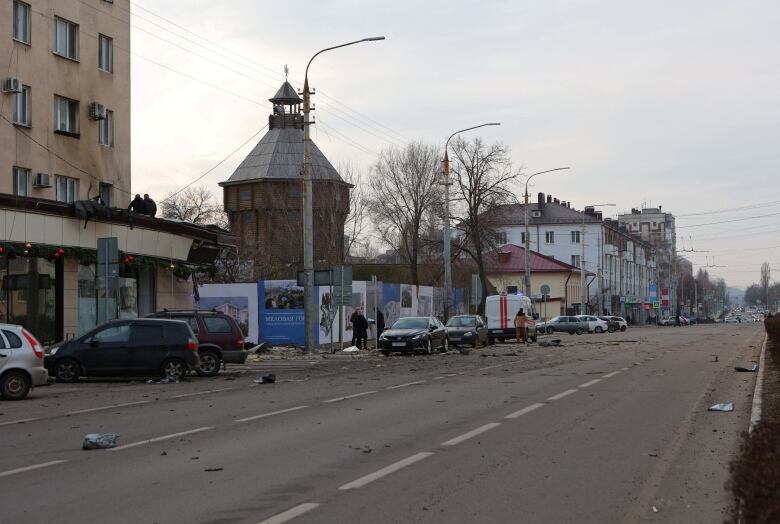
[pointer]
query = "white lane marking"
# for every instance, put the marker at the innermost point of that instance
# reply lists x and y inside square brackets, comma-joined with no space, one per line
[624,369]
[158,439]
[338,399]
[392,468]
[407,384]
[438,378]
[291,513]
[610,375]
[264,415]
[201,393]
[102,408]
[471,434]
[589,384]
[520,413]
[450,375]
[20,421]
[30,468]
[561,395]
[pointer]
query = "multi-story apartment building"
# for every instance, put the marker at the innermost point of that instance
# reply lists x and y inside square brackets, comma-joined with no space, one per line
[623,265]
[65,177]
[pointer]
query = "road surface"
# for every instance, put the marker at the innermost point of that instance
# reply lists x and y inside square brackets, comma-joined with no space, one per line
[608,428]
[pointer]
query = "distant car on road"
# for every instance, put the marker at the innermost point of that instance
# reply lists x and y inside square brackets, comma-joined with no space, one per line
[140,347]
[595,324]
[570,325]
[669,321]
[21,362]
[219,337]
[622,322]
[612,324]
[414,334]
[467,329]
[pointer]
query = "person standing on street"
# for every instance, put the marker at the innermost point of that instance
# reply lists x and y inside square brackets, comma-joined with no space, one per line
[352,318]
[360,330]
[520,326]
[137,205]
[380,322]
[151,206]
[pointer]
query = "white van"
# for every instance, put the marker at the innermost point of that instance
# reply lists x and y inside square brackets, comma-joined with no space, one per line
[500,311]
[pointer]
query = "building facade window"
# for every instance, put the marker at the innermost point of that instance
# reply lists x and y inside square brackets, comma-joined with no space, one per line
[22,31]
[66,38]
[66,115]
[105,193]
[575,260]
[549,237]
[575,237]
[106,130]
[67,189]
[23,107]
[106,53]
[501,238]
[21,181]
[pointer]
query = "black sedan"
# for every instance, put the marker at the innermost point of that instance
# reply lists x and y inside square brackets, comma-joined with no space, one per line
[467,329]
[414,334]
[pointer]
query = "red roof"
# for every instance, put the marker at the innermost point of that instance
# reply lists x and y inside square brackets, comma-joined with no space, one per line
[510,258]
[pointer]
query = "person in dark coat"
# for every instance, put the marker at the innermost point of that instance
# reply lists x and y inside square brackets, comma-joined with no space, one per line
[151,206]
[380,322]
[352,318]
[137,205]
[360,330]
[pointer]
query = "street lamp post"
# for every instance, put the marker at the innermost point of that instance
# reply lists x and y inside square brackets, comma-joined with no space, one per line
[308,231]
[445,168]
[583,300]
[527,243]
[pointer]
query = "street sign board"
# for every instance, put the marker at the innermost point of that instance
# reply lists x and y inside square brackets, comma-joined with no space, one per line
[342,285]
[545,289]
[321,278]
[656,304]
[476,289]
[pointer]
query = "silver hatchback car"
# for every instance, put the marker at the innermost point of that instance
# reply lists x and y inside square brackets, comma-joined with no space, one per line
[21,362]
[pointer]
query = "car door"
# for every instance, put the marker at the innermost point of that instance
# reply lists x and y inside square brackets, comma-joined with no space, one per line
[6,354]
[148,347]
[106,351]
[437,337]
[481,330]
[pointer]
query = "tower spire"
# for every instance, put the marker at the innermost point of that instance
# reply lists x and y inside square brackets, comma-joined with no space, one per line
[286,72]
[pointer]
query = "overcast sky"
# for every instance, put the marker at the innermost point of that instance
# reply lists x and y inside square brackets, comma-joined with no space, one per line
[665,102]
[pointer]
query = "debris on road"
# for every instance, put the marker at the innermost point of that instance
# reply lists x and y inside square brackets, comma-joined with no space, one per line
[729,406]
[265,347]
[748,368]
[98,441]
[350,349]
[268,378]
[162,381]
[556,342]
[213,469]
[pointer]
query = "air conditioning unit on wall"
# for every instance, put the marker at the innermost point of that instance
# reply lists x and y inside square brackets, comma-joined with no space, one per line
[12,85]
[97,111]
[42,180]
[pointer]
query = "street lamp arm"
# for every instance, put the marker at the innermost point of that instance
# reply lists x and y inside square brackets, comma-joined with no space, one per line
[370,39]
[541,173]
[447,144]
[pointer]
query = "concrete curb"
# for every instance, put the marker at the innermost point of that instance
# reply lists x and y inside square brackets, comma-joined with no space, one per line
[755,412]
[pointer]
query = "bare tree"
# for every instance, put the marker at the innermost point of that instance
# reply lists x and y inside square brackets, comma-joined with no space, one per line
[766,274]
[403,190]
[196,205]
[482,180]
[356,226]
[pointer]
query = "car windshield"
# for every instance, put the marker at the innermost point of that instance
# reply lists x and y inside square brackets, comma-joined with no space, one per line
[462,322]
[411,323]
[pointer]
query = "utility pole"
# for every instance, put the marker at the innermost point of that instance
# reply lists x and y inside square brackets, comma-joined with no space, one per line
[598,270]
[447,241]
[309,314]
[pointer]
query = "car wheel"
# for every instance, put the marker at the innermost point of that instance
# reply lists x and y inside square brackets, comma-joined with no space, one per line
[580,331]
[446,346]
[14,385]
[173,369]
[550,330]
[67,370]
[622,328]
[598,329]
[209,364]
[611,329]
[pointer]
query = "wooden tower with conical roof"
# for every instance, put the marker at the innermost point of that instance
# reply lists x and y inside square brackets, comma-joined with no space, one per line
[263,198]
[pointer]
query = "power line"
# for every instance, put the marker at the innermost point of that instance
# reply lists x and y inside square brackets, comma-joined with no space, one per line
[726,210]
[729,221]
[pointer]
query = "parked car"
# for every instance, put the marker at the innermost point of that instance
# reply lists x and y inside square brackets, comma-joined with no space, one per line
[219,337]
[669,321]
[612,324]
[569,325]
[140,347]
[467,329]
[501,310]
[595,324]
[414,334]
[21,362]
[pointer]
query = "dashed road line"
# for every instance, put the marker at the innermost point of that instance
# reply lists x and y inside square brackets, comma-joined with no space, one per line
[339,399]
[158,439]
[406,385]
[103,408]
[447,375]
[589,384]
[610,375]
[561,395]
[439,378]
[624,369]
[201,393]
[392,468]
[30,468]
[471,434]
[521,412]
[291,513]
[271,414]
[20,421]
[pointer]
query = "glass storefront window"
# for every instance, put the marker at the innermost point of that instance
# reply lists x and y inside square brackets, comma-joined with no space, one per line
[29,296]
[87,298]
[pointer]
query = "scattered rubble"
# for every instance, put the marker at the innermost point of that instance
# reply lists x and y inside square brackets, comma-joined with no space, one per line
[728,406]
[268,378]
[98,441]
[750,368]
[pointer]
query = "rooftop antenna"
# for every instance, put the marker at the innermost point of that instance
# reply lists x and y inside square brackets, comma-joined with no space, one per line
[286,72]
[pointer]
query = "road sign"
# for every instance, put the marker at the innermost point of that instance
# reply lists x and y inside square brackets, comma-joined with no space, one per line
[656,304]
[321,278]
[476,290]
[545,289]
[342,285]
